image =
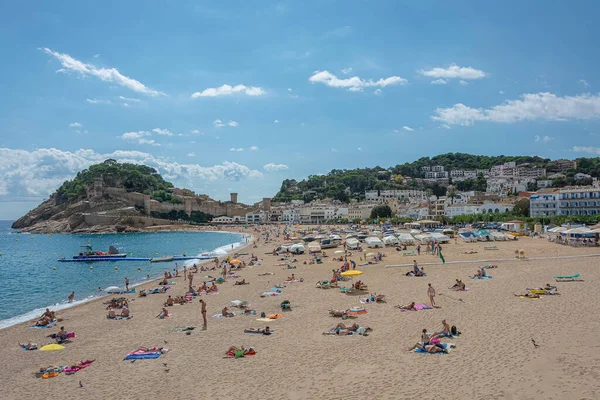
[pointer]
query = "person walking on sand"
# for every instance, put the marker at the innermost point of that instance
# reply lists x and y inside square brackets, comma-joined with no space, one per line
[431,294]
[203,312]
[191,278]
[126,284]
[177,270]
[71,297]
[419,249]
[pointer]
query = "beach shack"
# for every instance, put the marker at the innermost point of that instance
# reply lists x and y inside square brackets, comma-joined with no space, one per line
[513,226]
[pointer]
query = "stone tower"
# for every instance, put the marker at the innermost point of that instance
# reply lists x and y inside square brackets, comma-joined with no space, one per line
[266,203]
[233,197]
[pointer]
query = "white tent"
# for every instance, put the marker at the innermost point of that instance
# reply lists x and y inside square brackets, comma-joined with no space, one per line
[297,248]
[438,237]
[373,241]
[498,235]
[390,240]
[406,238]
[557,229]
[352,243]
[424,238]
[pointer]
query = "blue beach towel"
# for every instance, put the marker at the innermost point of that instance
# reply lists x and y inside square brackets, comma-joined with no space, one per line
[446,347]
[483,278]
[259,333]
[142,356]
[41,327]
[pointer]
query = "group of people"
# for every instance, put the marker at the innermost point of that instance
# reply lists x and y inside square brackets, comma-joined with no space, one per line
[46,318]
[430,342]
[416,271]
[459,286]
[343,330]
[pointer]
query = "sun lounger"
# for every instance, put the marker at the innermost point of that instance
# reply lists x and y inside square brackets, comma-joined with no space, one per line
[563,278]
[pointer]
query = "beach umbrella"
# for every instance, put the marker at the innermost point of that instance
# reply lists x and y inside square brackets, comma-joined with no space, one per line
[112,289]
[352,273]
[236,261]
[52,347]
[357,311]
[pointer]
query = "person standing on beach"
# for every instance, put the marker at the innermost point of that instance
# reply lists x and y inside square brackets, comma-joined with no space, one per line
[126,284]
[431,294]
[177,271]
[203,312]
[71,297]
[419,249]
[190,278]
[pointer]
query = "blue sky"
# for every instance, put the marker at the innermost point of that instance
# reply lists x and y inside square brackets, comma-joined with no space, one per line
[238,95]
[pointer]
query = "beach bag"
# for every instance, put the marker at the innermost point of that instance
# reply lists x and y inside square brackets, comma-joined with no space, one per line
[454,331]
[263,315]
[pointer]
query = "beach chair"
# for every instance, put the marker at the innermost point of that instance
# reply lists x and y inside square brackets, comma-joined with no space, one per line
[566,278]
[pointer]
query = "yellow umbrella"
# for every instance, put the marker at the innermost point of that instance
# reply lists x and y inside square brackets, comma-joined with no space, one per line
[352,273]
[236,261]
[52,347]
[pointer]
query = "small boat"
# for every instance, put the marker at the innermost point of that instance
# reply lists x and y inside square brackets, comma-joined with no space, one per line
[89,253]
[162,259]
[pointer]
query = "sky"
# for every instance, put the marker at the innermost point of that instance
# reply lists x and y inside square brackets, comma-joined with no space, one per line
[236,96]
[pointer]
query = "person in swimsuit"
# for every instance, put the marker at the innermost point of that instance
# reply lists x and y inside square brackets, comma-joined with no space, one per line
[431,294]
[71,297]
[203,312]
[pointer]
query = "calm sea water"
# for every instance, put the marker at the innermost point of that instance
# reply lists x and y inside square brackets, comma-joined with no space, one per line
[30,283]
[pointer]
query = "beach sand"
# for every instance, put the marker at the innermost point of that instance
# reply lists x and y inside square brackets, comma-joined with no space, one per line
[494,358]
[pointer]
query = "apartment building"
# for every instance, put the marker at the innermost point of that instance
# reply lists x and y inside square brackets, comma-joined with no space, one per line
[579,201]
[544,204]
[381,196]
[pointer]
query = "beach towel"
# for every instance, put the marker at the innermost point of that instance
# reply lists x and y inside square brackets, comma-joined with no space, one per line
[142,356]
[26,349]
[295,281]
[241,353]
[446,346]
[207,294]
[77,367]
[527,297]
[276,288]
[265,294]
[41,326]
[69,335]
[482,278]
[231,315]
[264,319]
[460,290]
[418,307]
[258,333]
[118,317]
[567,277]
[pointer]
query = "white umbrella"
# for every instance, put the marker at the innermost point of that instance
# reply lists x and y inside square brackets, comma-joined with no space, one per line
[558,229]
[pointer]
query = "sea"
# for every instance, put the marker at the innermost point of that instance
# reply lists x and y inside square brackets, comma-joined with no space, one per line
[32,278]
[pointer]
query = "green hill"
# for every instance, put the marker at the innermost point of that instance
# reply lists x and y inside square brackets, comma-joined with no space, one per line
[351,184]
[133,177]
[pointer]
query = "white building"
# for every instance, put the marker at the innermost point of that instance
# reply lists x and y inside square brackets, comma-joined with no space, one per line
[580,175]
[579,201]
[494,208]
[543,204]
[461,209]
[544,183]
[256,217]
[381,196]
[222,220]
[291,215]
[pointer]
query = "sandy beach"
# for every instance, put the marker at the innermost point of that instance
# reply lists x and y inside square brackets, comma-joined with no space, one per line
[494,357]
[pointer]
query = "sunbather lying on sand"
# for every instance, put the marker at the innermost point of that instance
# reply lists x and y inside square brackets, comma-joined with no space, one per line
[469,252]
[242,282]
[410,307]
[266,331]
[246,351]
[338,313]
[527,294]
[29,346]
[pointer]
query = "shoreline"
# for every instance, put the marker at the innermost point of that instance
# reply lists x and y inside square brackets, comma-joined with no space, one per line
[61,307]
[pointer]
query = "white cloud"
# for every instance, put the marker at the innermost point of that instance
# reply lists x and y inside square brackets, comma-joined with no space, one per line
[353,84]
[192,154]
[346,71]
[584,83]
[544,139]
[75,125]
[334,150]
[407,128]
[98,101]
[195,132]
[254,148]
[586,149]
[129,99]
[454,71]
[501,92]
[530,107]
[111,75]
[163,132]
[96,55]
[125,105]
[464,83]
[271,167]
[377,92]
[439,82]
[227,90]
[276,121]
[445,126]
[359,149]
[139,137]
[36,174]
[238,149]
[233,124]
[289,90]
[217,123]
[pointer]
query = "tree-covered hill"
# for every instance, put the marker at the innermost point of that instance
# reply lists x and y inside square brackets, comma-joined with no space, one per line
[133,177]
[348,184]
